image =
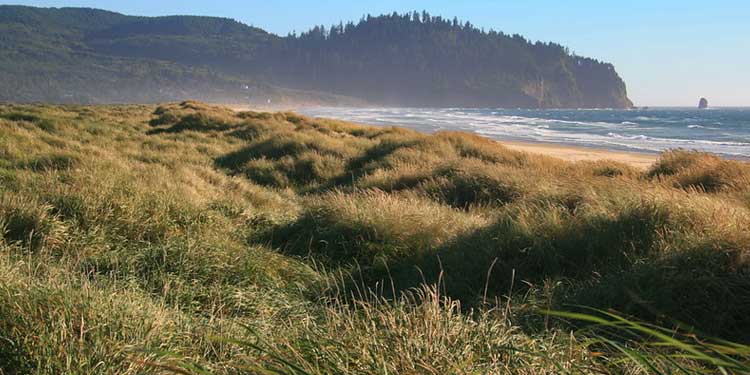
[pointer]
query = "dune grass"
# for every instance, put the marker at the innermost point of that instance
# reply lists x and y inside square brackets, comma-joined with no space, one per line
[191,238]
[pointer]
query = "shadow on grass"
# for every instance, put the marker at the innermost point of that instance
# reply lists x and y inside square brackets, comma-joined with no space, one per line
[705,290]
[603,261]
[193,122]
[574,249]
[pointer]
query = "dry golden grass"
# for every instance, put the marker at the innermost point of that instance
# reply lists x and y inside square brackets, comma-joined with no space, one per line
[136,235]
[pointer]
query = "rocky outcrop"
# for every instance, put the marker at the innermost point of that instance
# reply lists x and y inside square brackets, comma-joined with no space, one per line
[703,103]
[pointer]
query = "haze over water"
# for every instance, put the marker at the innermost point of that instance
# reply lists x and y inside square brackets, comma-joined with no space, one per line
[723,131]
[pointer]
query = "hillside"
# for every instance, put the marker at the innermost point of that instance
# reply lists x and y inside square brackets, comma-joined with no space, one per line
[58,55]
[194,239]
[88,55]
[421,60]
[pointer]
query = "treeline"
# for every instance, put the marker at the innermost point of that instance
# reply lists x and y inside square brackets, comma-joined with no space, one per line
[412,59]
[419,59]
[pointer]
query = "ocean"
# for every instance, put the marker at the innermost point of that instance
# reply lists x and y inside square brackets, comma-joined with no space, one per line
[724,131]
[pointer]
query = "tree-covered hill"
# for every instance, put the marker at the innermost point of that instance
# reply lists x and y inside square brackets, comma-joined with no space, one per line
[88,55]
[223,44]
[418,59]
[69,55]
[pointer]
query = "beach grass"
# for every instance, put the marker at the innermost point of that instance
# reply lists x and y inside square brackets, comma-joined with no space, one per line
[189,238]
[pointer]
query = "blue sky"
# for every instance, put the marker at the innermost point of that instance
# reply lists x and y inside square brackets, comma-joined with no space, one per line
[669,52]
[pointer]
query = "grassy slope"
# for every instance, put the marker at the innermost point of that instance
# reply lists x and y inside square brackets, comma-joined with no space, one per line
[136,234]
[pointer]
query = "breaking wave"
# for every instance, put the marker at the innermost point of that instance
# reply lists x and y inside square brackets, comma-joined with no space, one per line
[720,131]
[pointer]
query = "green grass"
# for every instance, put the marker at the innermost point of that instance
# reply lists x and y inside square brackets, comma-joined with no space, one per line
[187,237]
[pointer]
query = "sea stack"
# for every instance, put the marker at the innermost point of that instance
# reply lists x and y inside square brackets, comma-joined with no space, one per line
[703,103]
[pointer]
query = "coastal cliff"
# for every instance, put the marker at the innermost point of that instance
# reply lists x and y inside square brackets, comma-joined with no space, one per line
[413,59]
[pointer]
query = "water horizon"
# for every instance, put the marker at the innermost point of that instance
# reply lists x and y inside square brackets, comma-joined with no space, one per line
[720,130]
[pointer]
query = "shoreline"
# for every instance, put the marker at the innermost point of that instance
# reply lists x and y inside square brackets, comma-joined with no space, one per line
[641,160]
[572,153]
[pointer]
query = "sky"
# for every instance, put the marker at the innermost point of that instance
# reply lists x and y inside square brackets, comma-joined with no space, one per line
[669,52]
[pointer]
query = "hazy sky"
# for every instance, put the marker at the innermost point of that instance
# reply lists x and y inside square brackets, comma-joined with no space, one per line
[669,52]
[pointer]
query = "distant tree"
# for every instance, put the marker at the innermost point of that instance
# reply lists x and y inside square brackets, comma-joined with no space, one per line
[426,17]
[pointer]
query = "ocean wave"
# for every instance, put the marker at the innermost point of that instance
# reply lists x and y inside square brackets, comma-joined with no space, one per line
[678,140]
[611,129]
[695,126]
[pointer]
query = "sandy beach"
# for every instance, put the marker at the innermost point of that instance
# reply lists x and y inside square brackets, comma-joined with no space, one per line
[574,153]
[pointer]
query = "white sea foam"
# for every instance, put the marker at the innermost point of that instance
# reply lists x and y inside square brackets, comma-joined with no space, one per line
[695,126]
[608,129]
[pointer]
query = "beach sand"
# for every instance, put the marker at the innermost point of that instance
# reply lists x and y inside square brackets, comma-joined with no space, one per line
[574,153]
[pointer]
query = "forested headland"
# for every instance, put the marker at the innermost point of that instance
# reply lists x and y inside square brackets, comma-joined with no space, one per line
[77,55]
